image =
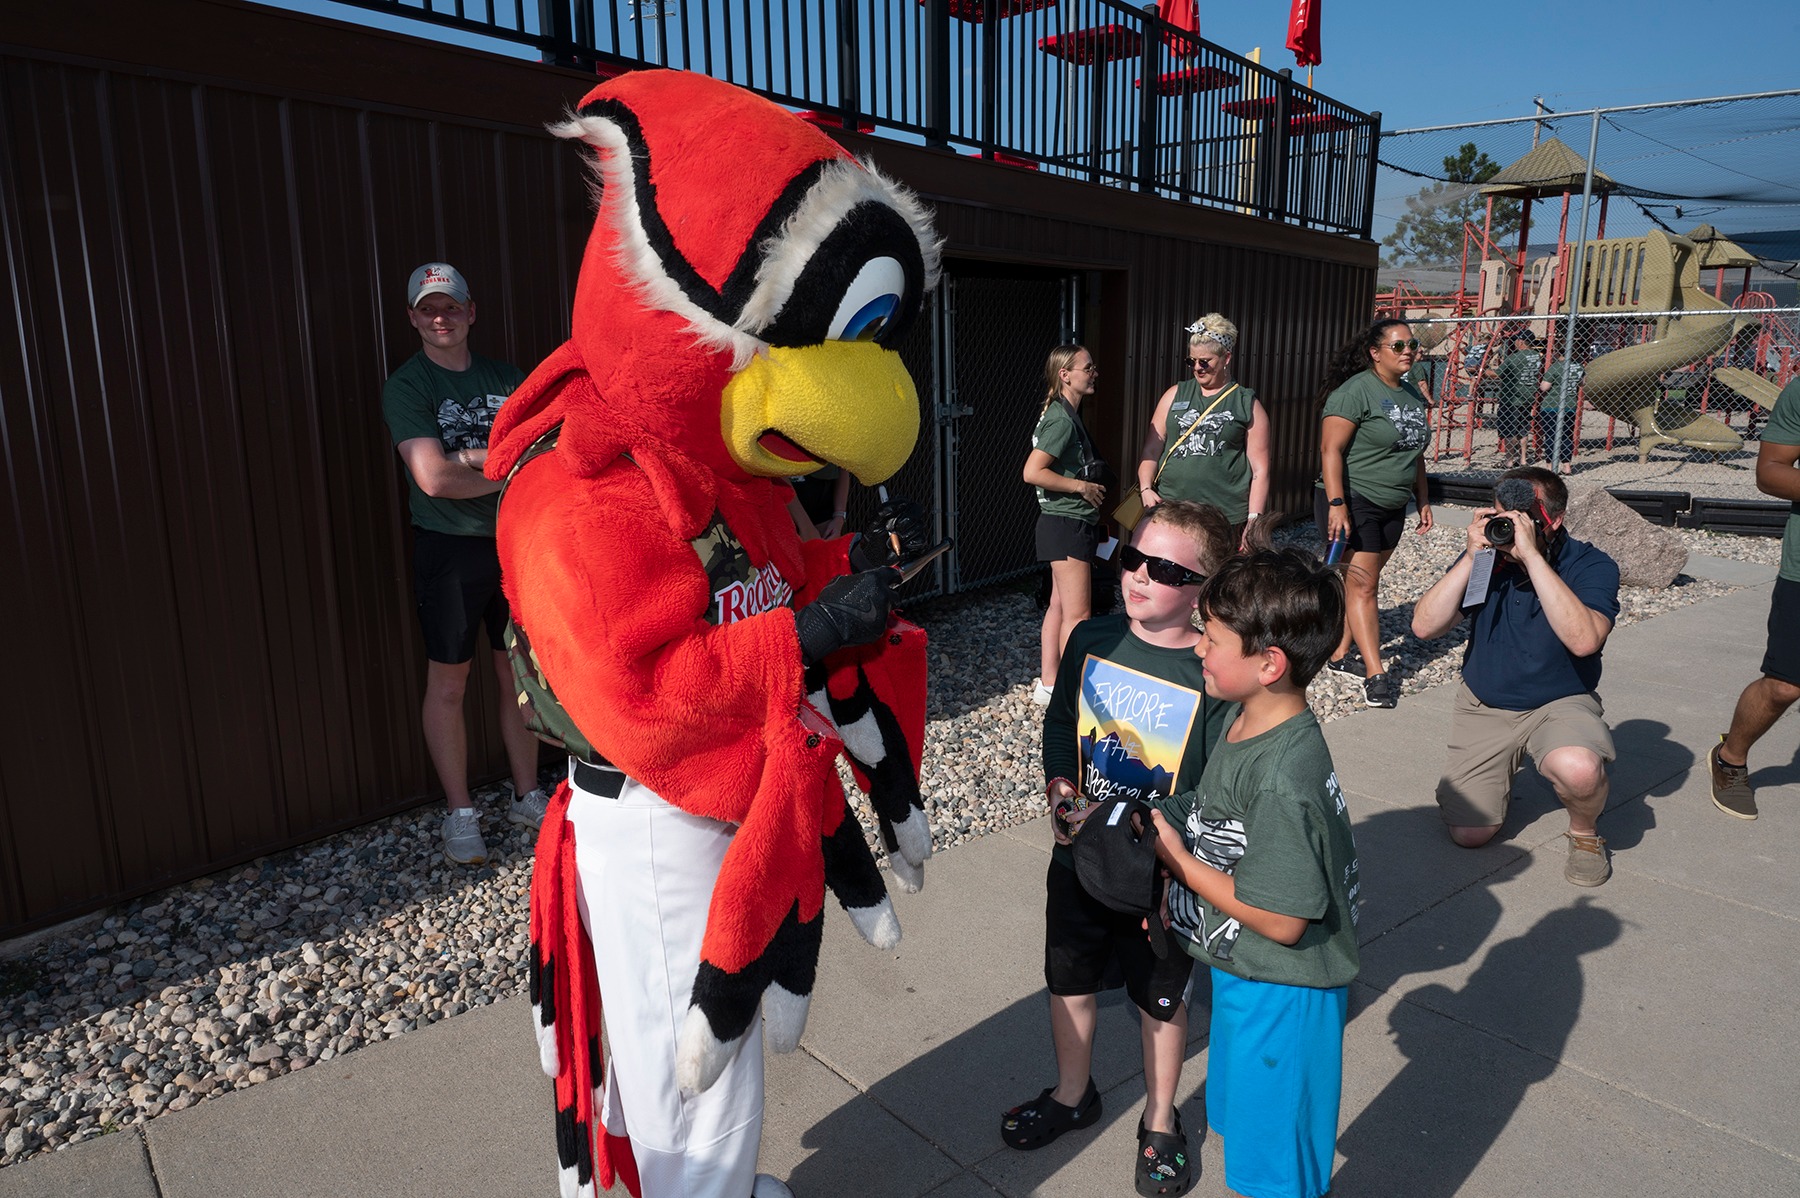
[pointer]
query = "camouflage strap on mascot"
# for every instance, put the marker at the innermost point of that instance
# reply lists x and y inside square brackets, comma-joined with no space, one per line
[734,319]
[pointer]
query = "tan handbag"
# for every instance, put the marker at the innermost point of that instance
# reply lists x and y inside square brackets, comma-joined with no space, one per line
[1130,510]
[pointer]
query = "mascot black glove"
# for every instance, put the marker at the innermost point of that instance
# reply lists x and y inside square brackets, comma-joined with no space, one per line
[851,610]
[897,518]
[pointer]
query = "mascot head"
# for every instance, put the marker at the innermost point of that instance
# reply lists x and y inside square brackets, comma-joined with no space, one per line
[746,281]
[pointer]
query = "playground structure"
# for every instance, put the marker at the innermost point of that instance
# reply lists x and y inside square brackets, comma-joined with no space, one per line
[1661,352]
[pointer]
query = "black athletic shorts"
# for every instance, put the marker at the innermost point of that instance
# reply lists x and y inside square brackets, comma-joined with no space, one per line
[457,583]
[1511,421]
[1083,937]
[1060,538]
[1783,657]
[1372,529]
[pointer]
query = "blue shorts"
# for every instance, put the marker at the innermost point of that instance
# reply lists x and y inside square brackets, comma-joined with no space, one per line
[1274,1078]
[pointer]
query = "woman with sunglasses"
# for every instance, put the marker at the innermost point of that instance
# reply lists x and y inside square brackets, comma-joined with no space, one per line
[1372,438]
[1209,436]
[1065,469]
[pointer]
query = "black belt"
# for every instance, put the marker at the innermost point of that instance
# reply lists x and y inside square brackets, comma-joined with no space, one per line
[603,780]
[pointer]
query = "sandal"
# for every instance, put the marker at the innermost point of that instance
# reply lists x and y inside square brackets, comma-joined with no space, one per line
[1034,1124]
[1163,1165]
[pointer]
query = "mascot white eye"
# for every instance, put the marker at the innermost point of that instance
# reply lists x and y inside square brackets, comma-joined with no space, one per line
[870,302]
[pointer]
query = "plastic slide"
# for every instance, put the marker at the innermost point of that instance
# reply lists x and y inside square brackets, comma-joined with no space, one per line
[1747,383]
[1626,382]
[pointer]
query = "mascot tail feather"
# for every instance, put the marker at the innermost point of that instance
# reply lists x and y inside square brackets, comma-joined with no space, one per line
[566,1015]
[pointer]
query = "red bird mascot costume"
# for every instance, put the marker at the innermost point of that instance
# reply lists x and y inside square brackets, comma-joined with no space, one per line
[741,290]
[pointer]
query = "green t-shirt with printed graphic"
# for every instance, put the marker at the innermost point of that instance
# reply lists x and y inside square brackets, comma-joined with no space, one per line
[422,399]
[1209,464]
[1057,436]
[1269,812]
[1784,429]
[1519,378]
[1130,718]
[1382,461]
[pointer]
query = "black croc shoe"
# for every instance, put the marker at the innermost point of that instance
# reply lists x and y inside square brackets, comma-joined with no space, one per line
[1034,1124]
[1163,1164]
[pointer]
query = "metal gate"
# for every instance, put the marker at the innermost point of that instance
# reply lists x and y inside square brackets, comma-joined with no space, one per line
[998,326]
[976,354]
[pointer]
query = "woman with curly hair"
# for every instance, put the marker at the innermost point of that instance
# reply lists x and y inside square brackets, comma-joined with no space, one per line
[1065,469]
[1209,436]
[1372,437]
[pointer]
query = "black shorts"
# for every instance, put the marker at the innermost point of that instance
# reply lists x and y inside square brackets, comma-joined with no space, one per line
[1060,538]
[1372,529]
[1783,657]
[1084,939]
[456,581]
[1511,421]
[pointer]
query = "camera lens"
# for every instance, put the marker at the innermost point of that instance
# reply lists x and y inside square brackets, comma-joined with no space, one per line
[1499,530]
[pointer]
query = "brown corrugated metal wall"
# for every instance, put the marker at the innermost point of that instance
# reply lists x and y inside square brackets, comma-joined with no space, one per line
[207,214]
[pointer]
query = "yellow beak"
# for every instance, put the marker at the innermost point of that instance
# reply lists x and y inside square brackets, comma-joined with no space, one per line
[847,403]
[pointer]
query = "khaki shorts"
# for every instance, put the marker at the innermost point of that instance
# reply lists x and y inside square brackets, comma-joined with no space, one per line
[1487,743]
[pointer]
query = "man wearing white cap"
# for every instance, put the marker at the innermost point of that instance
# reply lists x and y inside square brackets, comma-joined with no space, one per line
[438,407]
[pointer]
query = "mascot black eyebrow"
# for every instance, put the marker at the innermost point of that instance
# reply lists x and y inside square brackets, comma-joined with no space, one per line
[733,326]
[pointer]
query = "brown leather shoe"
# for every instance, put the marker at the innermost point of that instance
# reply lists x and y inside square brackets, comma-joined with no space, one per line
[1589,863]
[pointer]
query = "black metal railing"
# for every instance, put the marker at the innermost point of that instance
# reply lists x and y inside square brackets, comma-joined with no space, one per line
[1095,89]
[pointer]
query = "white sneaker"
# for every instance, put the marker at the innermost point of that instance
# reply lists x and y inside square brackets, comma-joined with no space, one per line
[765,1186]
[462,837]
[528,809]
[1040,694]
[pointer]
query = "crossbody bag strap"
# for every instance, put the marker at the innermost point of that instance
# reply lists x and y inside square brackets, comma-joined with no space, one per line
[1163,465]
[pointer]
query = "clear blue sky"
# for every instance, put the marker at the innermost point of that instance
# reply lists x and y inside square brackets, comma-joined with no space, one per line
[1472,62]
[1437,64]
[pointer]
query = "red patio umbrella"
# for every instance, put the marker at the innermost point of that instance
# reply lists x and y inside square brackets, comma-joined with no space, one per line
[1303,32]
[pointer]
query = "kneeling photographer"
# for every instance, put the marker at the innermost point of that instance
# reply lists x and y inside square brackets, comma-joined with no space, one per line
[1541,605]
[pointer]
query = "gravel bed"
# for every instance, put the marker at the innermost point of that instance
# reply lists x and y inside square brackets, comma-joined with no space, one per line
[297,958]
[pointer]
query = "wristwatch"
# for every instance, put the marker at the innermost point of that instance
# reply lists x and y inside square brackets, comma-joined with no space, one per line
[1338,502]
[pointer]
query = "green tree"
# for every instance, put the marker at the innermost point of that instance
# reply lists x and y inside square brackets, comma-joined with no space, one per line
[1431,232]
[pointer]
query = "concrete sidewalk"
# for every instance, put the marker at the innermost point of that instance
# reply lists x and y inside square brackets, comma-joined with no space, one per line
[1510,1034]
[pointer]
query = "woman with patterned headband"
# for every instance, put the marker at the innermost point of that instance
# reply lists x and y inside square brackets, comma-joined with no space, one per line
[1209,436]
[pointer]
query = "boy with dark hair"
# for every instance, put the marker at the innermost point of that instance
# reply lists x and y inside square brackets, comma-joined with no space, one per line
[1129,716]
[1266,879]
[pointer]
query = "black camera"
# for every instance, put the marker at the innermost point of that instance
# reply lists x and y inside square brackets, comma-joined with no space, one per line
[1515,497]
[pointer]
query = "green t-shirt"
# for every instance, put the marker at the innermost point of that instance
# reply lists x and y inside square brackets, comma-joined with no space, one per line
[1519,378]
[1271,814]
[1382,461]
[1129,717]
[1209,464]
[422,399]
[1784,429]
[1548,400]
[1057,436]
[1423,376]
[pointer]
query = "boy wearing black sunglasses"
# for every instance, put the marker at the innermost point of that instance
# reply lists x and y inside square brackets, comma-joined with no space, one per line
[1129,717]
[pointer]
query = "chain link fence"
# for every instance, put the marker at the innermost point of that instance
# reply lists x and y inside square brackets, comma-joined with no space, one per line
[1610,292]
[1668,400]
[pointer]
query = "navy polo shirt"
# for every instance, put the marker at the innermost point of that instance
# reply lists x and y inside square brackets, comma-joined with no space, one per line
[1513,659]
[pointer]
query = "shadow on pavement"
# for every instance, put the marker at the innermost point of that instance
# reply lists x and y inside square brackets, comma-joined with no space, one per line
[1429,1128]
